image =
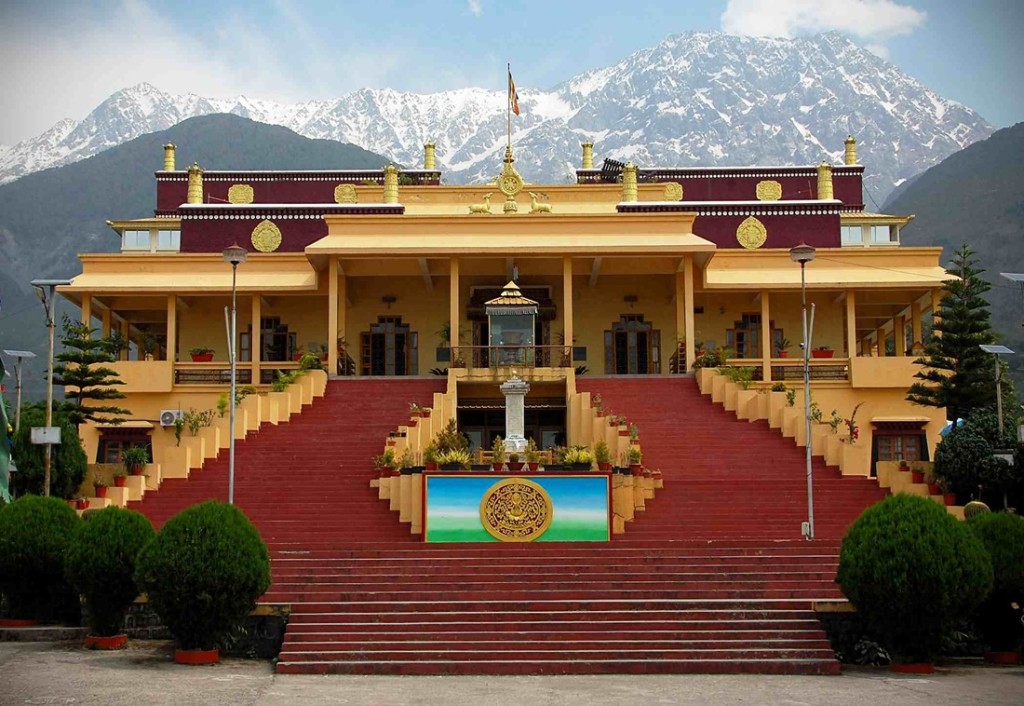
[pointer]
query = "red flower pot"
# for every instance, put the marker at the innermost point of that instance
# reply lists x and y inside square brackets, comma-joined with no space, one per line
[604,466]
[196,657]
[623,432]
[497,466]
[135,471]
[431,466]
[917,476]
[81,504]
[202,357]
[17,622]
[783,354]
[637,469]
[111,642]
[515,465]
[822,354]
[412,422]
[949,498]
[912,668]
[101,491]
[119,481]
[533,466]
[933,489]
[1002,657]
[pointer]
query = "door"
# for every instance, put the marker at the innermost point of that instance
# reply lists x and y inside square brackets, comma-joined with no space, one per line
[389,348]
[632,347]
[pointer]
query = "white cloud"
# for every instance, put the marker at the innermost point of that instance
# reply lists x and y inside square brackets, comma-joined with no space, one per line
[871,20]
[476,8]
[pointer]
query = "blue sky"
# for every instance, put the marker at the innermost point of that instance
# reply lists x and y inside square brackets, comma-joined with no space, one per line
[62,58]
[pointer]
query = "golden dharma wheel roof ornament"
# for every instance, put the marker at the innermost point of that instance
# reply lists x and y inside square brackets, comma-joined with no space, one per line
[768,190]
[751,233]
[266,237]
[345,193]
[673,191]
[516,510]
[240,193]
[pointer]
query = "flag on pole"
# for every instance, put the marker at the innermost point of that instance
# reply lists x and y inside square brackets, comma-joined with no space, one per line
[513,97]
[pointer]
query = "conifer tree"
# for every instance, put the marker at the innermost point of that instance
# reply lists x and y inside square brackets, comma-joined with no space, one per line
[957,374]
[82,373]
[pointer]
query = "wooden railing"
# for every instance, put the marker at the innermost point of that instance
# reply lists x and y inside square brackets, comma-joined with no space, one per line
[219,373]
[505,356]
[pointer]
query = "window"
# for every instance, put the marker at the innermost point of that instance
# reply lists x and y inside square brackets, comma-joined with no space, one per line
[881,235]
[851,235]
[901,447]
[135,240]
[169,240]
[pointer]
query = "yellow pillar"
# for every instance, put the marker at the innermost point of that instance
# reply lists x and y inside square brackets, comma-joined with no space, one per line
[125,333]
[766,338]
[332,316]
[172,326]
[429,156]
[453,306]
[87,310]
[342,308]
[851,323]
[900,332]
[390,184]
[880,337]
[195,184]
[865,346]
[688,311]
[588,154]
[169,157]
[629,187]
[680,295]
[915,324]
[254,338]
[825,182]
[850,153]
[106,322]
[936,304]
[567,329]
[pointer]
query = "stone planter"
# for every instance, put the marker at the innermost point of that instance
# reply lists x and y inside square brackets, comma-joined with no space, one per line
[196,657]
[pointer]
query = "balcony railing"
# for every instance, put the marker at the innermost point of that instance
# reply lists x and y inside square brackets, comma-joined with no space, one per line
[792,369]
[506,356]
[219,373]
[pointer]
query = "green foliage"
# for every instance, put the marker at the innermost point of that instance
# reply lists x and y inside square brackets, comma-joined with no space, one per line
[741,375]
[498,450]
[430,453]
[960,461]
[999,617]
[134,457]
[577,455]
[912,571]
[779,387]
[634,455]
[602,454]
[81,371]
[712,359]
[957,374]
[196,419]
[100,564]
[451,439]
[532,452]
[67,464]
[986,423]
[790,398]
[454,456]
[282,379]
[204,572]
[34,534]
[310,361]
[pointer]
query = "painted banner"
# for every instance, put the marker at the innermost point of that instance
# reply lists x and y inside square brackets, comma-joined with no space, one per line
[492,507]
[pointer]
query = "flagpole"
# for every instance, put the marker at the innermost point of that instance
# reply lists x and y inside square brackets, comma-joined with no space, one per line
[508,106]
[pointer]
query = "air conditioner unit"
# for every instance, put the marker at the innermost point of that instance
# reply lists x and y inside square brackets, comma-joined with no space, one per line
[168,417]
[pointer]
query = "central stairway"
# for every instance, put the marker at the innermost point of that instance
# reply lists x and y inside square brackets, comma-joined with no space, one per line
[712,577]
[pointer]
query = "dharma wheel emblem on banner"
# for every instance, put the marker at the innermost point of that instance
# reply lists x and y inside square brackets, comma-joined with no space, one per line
[516,510]
[751,234]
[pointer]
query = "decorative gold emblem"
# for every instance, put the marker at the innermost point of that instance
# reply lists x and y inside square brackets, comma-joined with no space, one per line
[673,191]
[510,183]
[240,193]
[768,190]
[751,234]
[516,510]
[266,237]
[345,193]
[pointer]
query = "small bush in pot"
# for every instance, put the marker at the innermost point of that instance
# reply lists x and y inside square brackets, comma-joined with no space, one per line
[602,455]
[532,454]
[34,534]
[912,571]
[134,459]
[999,617]
[498,453]
[203,573]
[100,564]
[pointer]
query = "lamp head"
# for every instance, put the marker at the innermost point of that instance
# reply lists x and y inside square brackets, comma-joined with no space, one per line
[802,253]
[235,254]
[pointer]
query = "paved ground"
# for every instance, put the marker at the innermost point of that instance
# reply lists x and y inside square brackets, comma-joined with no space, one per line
[56,673]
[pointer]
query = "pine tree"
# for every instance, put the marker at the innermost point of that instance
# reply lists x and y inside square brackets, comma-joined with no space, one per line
[957,374]
[84,377]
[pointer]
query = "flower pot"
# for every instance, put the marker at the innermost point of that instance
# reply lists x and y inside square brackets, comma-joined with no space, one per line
[579,466]
[119,481]
[110,642]
[196,657]
[637,469]
[412,422]
[431,466]
[634,442]
[135,471]
[623,432]
[933,489]
[949,498]
[81,504]
[497,465]
[1002,657]
[917,476]
[202,357]
[17,622]
[101,491]
[822,354]
[533,465]
[391,442]
[783,354]
[451,466]
[912,668]
[604,466]
[515,465]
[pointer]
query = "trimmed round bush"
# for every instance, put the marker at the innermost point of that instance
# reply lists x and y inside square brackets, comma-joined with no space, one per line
[912,570]
[100,564]
[961,462]
[68,462]
[1002,534]
[34,534]
[204,572]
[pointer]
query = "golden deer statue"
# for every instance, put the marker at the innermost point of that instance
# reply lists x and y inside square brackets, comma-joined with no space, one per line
[536,207]
[484,207]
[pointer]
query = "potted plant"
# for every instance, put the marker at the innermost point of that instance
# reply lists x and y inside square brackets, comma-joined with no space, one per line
[120,478]
[498,453]
[149,344]
[100,487]
[916,475]
[406,461]
[389,462]
[454,460]
[634,434]
[822,352]
[430,456]
[196,419]
[81,503]
[134,459]
[532,455]
[597,403]
[603,456]
[514,464]
[577,458]
[415,411]
[201,354]
[782,348]
[634,455]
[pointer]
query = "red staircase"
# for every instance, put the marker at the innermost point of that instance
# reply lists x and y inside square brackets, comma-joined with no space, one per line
[712,577]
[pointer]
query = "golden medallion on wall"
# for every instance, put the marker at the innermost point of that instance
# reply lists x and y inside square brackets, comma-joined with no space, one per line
[673,191]
[240,193]
[768,190]
[345,193]
[751,234]
[516,510]
[266,237]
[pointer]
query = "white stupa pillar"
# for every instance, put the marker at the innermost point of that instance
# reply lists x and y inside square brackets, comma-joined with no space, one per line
[515,411]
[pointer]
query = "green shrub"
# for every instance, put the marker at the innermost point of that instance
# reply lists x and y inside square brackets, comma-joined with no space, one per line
[1003,537]
[34,534]
[912,570]
[204,572]
[100,564]
[961,461]
[68,462]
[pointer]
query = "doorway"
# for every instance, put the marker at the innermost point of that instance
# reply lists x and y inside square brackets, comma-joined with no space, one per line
[632,347]
[390,347]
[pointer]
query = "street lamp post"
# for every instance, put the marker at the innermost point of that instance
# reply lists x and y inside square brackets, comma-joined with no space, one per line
[803,254]
[997,351]
[236,255]
[46,290]
[18,356]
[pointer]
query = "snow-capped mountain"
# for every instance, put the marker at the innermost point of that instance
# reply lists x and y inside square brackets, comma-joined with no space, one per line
[699,99]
